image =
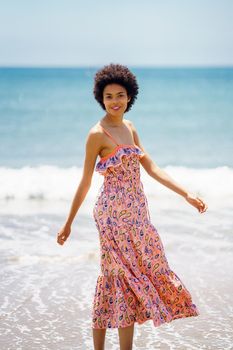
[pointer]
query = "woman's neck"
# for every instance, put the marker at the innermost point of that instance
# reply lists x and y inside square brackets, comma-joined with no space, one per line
[113,121]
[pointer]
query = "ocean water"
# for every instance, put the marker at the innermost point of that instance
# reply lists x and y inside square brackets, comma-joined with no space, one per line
[184,119]
[46,114]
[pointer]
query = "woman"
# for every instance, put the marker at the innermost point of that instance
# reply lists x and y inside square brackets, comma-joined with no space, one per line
[136,283]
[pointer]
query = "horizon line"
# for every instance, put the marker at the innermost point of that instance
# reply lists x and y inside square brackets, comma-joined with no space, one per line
[149,66]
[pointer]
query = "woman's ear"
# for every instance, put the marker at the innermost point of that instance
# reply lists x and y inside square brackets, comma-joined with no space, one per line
[129,98]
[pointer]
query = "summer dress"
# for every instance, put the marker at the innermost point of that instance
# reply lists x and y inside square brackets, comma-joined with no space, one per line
[136,283]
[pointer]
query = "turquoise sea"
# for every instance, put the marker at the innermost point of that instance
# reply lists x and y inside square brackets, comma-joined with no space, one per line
[184,117]
[46,114]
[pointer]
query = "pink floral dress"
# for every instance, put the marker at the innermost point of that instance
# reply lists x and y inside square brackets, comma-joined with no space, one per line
[136,283]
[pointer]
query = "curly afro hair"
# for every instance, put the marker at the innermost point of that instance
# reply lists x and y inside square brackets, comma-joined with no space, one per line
[115,74]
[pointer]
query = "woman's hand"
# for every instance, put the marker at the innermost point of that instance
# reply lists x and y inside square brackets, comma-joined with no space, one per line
[197,202]
[63,234]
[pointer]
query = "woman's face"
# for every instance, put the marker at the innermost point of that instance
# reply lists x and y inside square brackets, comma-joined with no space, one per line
[115,99]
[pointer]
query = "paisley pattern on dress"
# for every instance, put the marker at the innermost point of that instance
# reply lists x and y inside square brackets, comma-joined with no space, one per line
[136,283]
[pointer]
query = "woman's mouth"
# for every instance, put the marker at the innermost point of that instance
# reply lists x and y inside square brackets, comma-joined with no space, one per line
[115,108]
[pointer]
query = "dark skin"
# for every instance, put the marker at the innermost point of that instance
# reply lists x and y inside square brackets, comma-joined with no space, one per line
[115,100]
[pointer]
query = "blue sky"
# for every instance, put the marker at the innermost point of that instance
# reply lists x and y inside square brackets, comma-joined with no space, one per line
[134,32]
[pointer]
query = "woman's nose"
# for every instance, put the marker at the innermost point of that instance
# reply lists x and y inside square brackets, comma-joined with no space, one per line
[115,99]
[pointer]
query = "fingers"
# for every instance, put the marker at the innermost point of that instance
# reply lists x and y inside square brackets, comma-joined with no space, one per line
[205,208]
[61,239]
[202,207]
[198,203]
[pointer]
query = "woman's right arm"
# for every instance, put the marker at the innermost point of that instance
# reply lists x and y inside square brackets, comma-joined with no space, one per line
[93,145]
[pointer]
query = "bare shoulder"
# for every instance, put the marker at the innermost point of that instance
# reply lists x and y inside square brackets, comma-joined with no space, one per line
[135,134]
[94,138]
[95,131]
[93,144]
[130,124]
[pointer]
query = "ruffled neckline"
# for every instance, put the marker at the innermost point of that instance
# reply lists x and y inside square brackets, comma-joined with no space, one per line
[115,149]
[114,158]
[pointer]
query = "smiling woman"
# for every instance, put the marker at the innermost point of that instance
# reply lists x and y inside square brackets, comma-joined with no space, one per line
[136,283]
[115,98]
[124,81]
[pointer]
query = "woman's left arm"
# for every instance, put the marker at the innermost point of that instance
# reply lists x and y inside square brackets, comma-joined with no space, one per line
[161,176]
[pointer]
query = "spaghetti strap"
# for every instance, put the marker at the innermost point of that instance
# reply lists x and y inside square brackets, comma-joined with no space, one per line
[111,137]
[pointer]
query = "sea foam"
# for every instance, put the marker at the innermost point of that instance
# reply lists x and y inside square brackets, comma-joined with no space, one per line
[55,183]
